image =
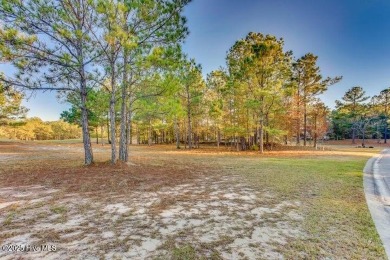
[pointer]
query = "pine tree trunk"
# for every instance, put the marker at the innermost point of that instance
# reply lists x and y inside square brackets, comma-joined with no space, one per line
[112,115]
[185,136]
[128,135]
[130,130]
[218,137]
[150,133]
[123,133]
[189,132]
[130,119]
[88,154]
[123,142]
[261,135]
[256,136]
[177,134]
[315,132]
[266,132]
[385,130]
[261,127]
[298,119]
[97,135]
[138,136]
[108,128]
[304,125]
[101,134]
[189,120]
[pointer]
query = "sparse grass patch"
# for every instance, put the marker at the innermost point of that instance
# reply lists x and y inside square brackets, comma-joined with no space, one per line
[184,252]
[330,190]
[9,218]
[47,236]
[59,209]
[163,204]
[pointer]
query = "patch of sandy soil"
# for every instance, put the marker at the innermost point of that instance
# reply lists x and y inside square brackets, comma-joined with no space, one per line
[218,215]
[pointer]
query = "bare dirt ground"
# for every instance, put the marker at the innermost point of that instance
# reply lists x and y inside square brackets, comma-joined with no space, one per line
[160,206]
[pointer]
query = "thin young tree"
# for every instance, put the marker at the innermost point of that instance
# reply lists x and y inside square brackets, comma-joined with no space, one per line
[318,113]
[193,87]
[217,82]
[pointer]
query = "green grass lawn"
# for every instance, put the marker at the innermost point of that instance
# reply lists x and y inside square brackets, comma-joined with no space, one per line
[330,188]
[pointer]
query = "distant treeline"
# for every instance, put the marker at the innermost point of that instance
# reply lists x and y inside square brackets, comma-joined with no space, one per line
[36,129]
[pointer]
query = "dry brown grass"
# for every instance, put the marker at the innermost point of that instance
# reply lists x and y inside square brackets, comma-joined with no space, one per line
[31,165]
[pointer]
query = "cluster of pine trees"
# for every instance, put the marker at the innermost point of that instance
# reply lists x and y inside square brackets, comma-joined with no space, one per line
[263,97]
[360,116]
[120,64]
[75,46]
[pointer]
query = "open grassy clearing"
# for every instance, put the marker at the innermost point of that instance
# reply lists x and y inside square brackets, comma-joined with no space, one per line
[186,204]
